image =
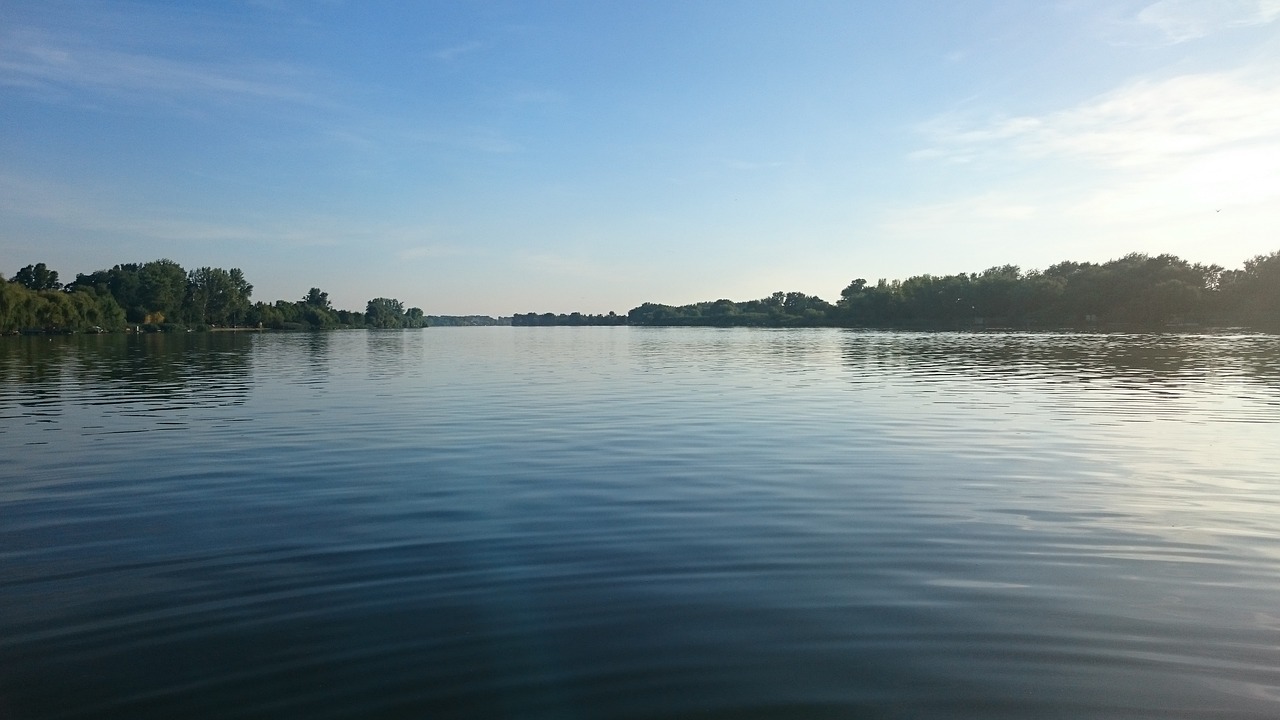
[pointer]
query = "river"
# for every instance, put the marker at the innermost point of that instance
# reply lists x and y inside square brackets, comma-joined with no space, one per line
[640,523]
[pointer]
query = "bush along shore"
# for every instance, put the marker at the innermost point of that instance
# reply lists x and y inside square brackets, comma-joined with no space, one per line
[161,296]
[1136,291]
[1133,292]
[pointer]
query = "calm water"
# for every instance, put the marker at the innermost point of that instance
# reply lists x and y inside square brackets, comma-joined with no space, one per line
[640,523]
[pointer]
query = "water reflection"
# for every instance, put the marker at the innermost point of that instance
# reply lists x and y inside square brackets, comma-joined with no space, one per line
[1151,361]
[298,359]
[394,353]
[634,522]
[141,383]
[163,362]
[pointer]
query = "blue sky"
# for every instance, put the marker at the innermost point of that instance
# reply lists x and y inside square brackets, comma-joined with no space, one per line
[501,157]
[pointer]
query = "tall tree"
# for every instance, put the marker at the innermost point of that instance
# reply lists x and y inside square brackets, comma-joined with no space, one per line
[316,298]
[124,283]
[414,318]
[162,287]
[218,297]
[384,313]
[38,277]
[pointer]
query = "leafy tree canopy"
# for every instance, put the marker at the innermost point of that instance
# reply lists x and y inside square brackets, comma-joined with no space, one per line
[37,277]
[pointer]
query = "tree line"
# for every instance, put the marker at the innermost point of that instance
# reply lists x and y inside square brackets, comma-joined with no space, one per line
[1135,291]
[534,319]
[466,321]
[161,296]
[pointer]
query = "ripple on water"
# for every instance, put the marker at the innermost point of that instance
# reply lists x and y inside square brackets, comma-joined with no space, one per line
[614,522]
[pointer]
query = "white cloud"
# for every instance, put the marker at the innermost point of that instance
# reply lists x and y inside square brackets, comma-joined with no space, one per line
[980,209]
[1182,20]
[1233,180]
[1183,165]
[1139,125]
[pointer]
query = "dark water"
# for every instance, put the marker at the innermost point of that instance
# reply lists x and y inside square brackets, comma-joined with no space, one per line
[619,523]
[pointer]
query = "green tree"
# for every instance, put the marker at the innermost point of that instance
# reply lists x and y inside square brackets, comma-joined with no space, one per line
[316,298]
[23,309]
[217,297]
[37,277]
[124,283]
[414,318]
[351,318]
[16,312]
[384,313]
[162,288]
[318,318]
[1251,295]
[97,310]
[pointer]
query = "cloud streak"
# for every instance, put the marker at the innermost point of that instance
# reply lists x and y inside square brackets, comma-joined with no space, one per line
[1145,166]
[753,165]
[434,251]
[1142,124]
[1184,20]
[452,53]
[94,212]
[57,64]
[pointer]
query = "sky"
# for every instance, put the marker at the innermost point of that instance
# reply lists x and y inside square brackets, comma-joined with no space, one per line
[504,157]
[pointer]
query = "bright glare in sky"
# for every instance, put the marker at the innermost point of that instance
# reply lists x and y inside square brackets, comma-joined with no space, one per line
[503,157]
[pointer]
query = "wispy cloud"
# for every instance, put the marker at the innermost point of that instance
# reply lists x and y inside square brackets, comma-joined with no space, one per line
[453,52]
[753,165]
[1182,20]
[1148,164]
[98,211]
[57,64]
[436,250]
[966,217]
[1140,124]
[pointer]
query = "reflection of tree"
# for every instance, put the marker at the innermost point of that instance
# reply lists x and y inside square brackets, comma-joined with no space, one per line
[315,349]
[31,375]
[393,353]
[1154,358]
[318,352]
[200,368]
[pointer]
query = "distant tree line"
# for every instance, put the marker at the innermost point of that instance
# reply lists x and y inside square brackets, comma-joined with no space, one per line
[793,309]
[1135,291]
[532,319]
[162,296]
[466,321]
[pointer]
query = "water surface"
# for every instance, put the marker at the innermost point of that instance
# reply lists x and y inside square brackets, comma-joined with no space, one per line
[640,523]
